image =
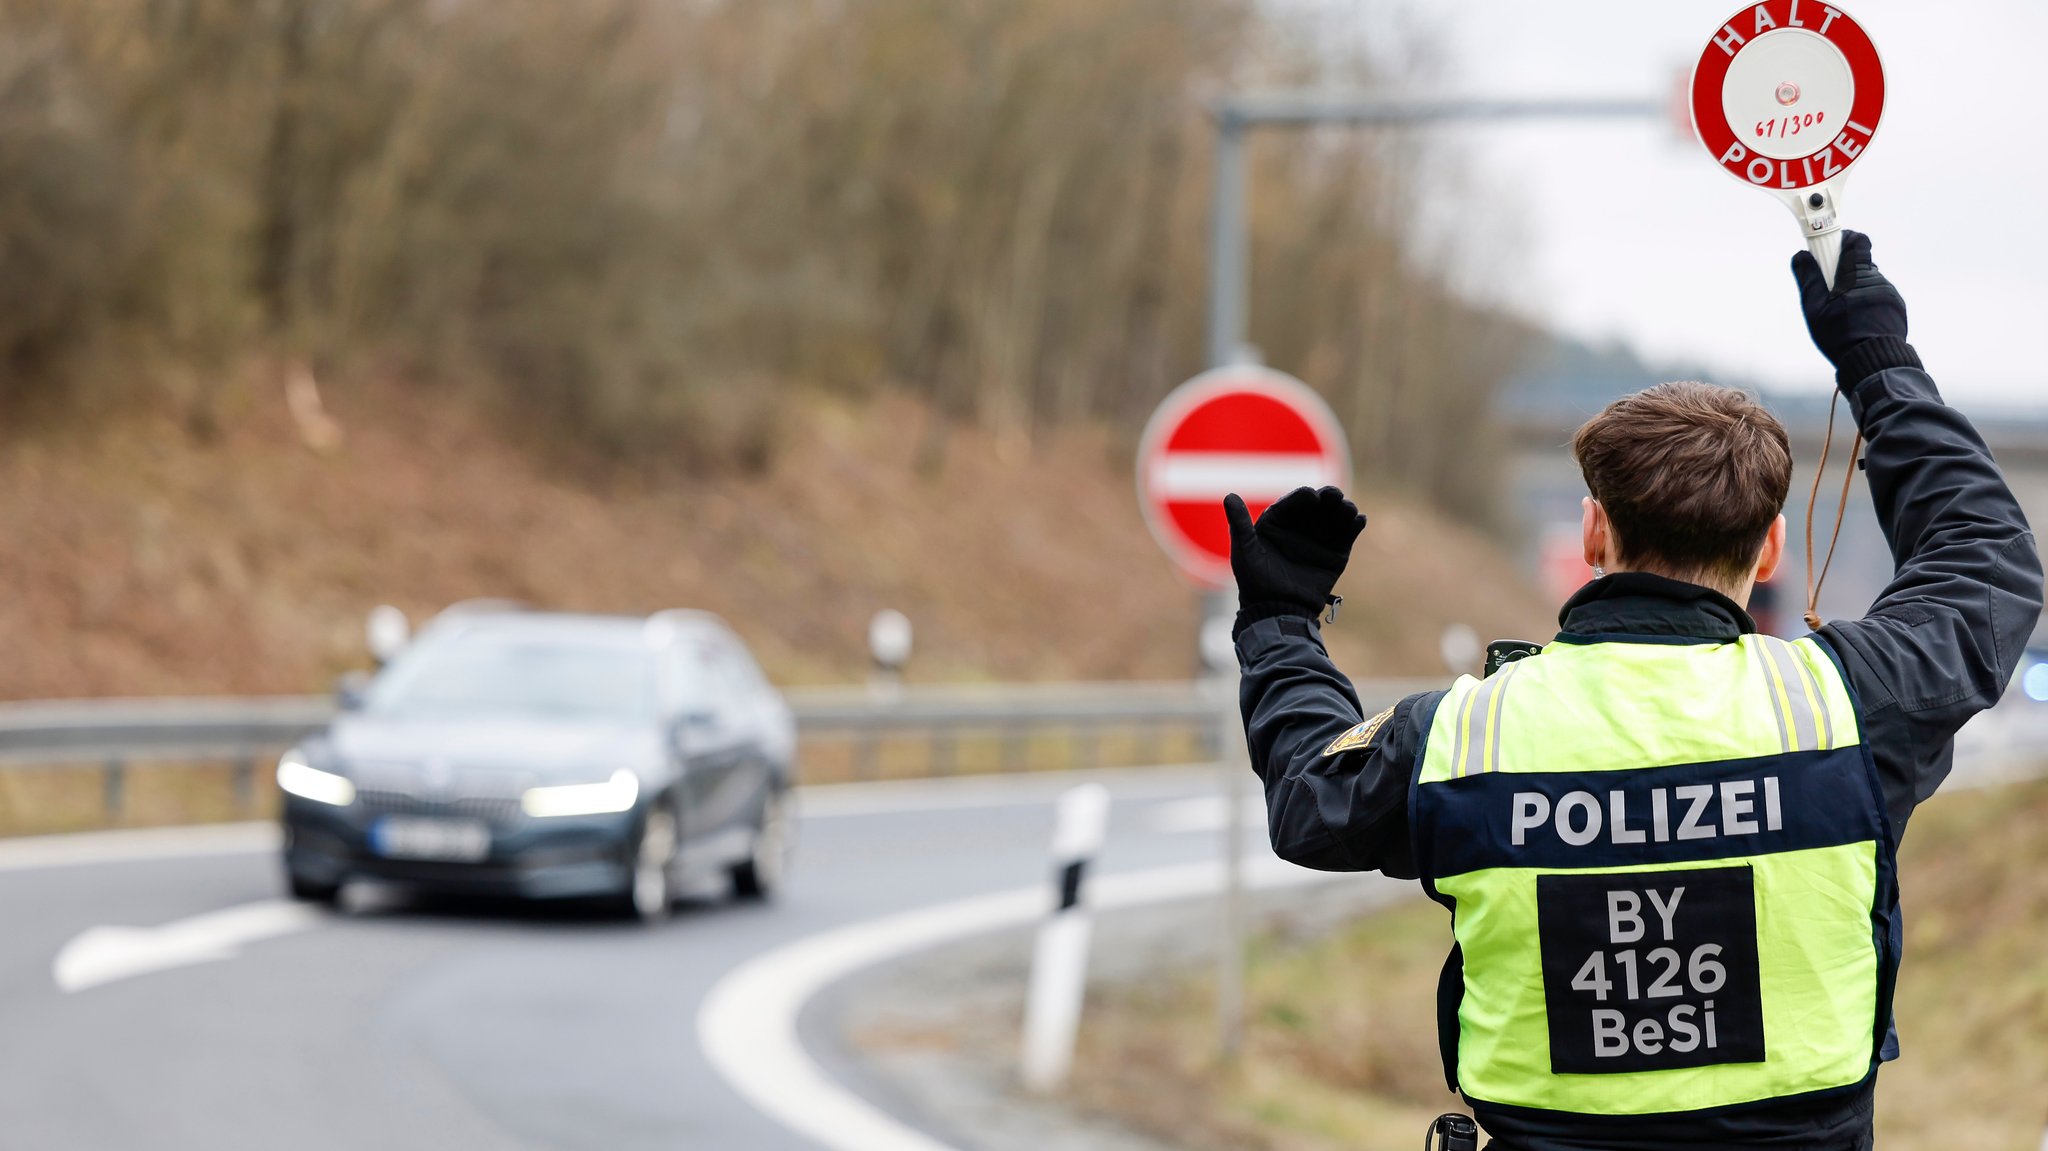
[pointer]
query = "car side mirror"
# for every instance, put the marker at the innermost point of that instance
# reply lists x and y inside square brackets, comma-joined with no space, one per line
[689,723]
[349,691]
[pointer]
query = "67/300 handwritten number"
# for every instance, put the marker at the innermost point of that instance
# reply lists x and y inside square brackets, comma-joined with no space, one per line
[1789,125]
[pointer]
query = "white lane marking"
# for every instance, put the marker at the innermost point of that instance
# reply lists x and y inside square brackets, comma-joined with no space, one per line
[747,1025]
[1213,475]
[104,954]
[81,848]
[1203,813]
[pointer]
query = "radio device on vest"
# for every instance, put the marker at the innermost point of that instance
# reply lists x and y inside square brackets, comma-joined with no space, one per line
[1502,652]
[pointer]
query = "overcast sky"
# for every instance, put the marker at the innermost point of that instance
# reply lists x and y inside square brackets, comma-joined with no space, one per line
[1633,232]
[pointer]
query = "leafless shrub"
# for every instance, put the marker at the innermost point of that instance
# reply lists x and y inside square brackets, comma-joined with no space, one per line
[61,214]
[627,214]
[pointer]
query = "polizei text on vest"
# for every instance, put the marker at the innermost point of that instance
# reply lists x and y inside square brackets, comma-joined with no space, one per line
[1735,807]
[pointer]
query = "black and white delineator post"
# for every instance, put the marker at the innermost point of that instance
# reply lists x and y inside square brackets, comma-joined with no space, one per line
[1059,967]
[889,642]
[1786,97]
[386,632]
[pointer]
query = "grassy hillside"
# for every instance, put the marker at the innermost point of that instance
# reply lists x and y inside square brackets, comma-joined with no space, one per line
[142,557]
[1342,1053]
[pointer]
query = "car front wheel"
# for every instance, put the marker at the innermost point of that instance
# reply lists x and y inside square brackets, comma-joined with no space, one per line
[652,893]
[309,891]
[761,875]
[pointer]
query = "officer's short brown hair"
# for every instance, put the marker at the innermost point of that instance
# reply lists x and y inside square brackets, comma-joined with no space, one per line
[1692,476]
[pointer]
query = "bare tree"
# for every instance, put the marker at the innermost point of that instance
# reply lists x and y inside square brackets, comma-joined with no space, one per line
[646,224]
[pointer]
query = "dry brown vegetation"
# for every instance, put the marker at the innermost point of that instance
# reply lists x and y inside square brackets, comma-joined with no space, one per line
[139,561]
[650,226]
[1342,1051]
[787,310]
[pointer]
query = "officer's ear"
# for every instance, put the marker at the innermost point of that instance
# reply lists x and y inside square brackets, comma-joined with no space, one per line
[1595,533]
[1767,561]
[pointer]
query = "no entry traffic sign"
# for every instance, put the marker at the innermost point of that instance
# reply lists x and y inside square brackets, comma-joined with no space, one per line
[1786,97]
[1249,430]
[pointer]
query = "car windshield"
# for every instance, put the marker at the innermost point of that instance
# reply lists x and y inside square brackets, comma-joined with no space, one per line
[518,674]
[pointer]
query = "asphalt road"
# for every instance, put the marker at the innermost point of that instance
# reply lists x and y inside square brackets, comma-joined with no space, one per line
[404,1023]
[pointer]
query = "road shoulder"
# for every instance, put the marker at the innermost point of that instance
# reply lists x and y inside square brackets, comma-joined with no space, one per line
[933,1037]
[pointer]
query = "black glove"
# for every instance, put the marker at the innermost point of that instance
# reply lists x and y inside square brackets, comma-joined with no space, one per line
[1289,561]
[1860,326]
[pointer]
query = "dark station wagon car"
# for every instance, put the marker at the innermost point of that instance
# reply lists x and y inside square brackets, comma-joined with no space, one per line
[550,756]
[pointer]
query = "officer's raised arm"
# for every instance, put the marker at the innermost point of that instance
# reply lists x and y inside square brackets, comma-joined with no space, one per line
[1941,642]
[1336,782]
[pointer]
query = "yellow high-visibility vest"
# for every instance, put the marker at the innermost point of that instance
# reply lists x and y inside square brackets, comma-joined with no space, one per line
[1670,873]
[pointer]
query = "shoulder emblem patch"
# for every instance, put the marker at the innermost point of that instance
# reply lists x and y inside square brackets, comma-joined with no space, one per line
[1359,736]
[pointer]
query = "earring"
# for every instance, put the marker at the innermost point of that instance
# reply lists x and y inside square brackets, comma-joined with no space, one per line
[1599,572]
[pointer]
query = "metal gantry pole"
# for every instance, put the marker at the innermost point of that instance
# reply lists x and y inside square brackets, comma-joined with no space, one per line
[1308,108]
[1229,330]
[1235,117]
[1228,280]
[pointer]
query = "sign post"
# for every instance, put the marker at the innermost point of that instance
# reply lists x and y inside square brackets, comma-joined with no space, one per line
[1260,434]
[1786,97]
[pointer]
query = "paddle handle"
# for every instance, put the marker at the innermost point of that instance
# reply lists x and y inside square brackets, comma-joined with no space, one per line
[1819,219]
[1827,249]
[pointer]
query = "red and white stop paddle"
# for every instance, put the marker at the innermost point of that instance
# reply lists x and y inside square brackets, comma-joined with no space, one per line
[1787,96]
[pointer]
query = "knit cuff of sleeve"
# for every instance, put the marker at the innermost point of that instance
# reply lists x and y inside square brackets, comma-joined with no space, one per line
[1872,356]
[1252,613]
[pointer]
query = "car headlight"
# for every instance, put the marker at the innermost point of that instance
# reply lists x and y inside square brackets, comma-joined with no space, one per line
[618,793]
[2035,683]
[297,777]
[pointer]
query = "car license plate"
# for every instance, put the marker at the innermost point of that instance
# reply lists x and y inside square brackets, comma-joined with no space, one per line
[409,837]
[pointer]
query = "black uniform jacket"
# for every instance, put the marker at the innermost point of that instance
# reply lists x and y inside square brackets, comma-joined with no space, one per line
[1938,646]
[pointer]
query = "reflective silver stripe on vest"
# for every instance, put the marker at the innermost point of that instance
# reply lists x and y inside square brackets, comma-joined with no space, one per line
[1499,714]
[1801,694]
[1478,748]
[1772,689]
[1464,729]
[1820,698]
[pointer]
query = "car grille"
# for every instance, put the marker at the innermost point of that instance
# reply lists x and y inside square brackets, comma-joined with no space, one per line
[500,811]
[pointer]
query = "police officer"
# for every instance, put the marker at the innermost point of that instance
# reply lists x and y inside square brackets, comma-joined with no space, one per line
[1667,841]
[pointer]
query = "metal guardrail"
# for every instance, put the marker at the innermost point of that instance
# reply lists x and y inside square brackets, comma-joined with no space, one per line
[1012,717]
[867,731]
[142,730]
[90,731]
[852,712]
